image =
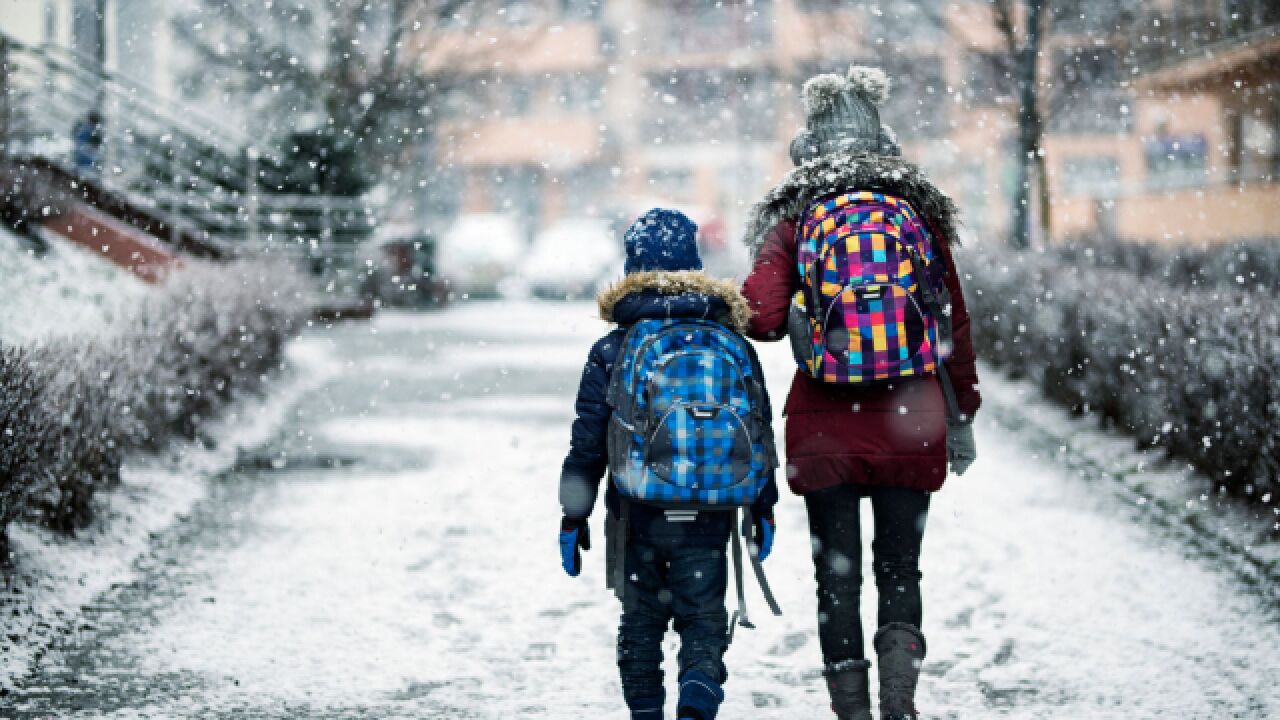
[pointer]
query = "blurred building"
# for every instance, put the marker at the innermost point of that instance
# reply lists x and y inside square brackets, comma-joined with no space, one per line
[1193,153]
[130,38]
[610,106]
[1161,116]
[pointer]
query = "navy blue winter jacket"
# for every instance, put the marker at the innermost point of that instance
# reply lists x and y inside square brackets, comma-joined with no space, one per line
[638,297]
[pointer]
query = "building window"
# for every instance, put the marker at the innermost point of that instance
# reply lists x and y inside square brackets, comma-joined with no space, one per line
[988,77]
[587,187]
[671,183]
[581,9]
[1176,161]
[519,92]
[580,93]
[898,21]
[518,12]
[1257,143]
[701,26]
[705,106]
[820,6]
[917,106]
[1090,17]
[1091,176]
[1089,97]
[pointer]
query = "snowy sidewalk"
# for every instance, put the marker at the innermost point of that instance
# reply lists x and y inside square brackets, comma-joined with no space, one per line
[393,554]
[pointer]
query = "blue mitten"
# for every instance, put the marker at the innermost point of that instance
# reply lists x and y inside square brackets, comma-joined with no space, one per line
[763,540]
[574,537]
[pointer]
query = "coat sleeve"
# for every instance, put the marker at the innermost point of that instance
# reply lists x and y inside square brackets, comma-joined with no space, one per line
[772,283]
[763,506]
[588,457]
[962,364]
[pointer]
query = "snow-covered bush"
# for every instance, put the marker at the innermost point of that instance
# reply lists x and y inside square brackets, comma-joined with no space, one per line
[1244,264]
[72,408]
[27,425]
[1194,370]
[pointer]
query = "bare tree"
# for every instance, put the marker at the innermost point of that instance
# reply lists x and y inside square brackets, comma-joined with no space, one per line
[1046,67]
[358,68]
[1024,49]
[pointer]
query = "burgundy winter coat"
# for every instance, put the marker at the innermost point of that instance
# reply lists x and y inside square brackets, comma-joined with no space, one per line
[891,435]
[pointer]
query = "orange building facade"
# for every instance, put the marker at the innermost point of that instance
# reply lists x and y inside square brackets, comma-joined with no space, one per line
[595,108]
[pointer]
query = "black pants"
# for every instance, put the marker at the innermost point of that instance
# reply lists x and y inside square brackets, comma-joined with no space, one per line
[684,584]
[837,556]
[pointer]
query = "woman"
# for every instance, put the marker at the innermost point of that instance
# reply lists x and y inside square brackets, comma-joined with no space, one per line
[887,441]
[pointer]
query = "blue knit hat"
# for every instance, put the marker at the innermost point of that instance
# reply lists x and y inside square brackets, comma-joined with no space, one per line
[662,239]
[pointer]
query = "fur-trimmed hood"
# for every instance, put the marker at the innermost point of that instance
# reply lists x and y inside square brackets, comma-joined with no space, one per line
[843,172]
[691,291]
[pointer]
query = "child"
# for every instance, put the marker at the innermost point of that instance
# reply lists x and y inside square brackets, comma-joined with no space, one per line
[668,564]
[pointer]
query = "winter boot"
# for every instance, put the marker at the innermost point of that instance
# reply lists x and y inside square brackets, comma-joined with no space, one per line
[700,697]
[647,708]
[850,689]
[901,650]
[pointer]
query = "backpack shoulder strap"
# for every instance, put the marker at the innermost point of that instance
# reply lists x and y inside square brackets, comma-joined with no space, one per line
[615,395]
[935,306]
[740,615]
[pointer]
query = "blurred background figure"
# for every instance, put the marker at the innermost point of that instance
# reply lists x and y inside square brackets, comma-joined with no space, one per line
[86,139]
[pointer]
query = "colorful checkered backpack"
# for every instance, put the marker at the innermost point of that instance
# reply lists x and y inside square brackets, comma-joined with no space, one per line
[872,306]
[688,431]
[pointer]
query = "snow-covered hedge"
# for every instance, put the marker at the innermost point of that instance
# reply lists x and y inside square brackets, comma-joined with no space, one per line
[73,407]
[1194,370]
[1244,264]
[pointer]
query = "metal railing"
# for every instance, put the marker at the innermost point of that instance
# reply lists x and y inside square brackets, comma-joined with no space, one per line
[704,26]
[158,155]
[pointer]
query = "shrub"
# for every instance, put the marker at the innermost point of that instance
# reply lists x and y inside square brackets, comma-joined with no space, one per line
[1246,264]
[73,408]
[1193,370]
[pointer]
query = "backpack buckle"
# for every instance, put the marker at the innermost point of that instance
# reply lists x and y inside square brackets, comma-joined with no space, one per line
[703,413]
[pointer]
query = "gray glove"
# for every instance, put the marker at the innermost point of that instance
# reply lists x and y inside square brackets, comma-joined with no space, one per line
[961,450]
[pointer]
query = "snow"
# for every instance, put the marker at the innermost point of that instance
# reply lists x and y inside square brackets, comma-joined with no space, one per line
[1240,532]
[54,577]
[419,576]
[67,290]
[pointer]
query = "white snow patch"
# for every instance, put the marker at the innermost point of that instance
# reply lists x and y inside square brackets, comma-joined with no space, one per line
[54,576]
[437,592]
[67,290]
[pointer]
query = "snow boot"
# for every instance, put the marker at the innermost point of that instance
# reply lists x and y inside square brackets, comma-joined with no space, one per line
[850,689]
[901,650]
[647,708]
[700,697]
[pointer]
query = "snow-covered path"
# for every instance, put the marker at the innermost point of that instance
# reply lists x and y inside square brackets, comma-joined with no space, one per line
[393,554]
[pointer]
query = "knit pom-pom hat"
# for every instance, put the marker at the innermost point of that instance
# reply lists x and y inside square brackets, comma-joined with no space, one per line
[662,240]
[842,115]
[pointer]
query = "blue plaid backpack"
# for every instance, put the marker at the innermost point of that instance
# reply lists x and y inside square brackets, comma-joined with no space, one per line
[688,431]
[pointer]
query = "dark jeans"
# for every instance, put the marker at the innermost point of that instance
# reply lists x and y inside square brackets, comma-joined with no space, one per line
[837,556]
[685,584]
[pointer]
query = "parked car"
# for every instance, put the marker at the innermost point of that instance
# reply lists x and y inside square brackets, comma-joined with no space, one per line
[477,257]
[401,268]
[573,258]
